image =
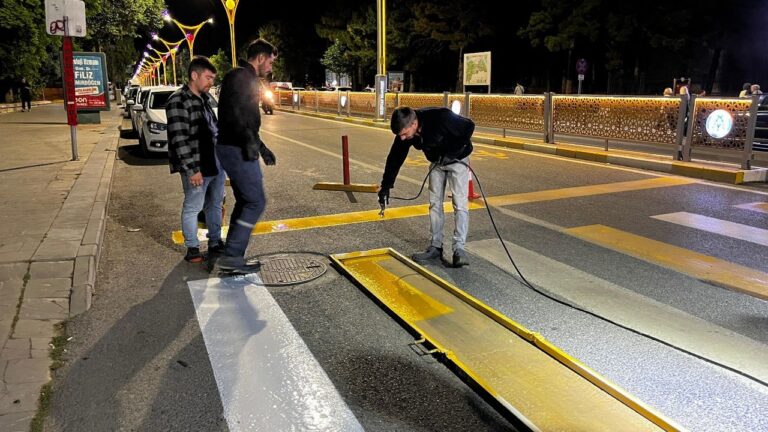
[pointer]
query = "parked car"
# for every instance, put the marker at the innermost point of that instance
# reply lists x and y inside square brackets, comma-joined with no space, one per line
[152,122]
[130,99]
[138,100]
[336,88]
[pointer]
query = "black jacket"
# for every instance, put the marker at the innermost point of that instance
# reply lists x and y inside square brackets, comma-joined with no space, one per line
[442,134]
[239,118]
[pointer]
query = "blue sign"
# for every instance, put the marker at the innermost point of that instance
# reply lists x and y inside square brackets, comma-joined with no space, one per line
[91,81]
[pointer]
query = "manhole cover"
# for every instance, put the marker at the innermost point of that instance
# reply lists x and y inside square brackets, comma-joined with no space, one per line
[290,269]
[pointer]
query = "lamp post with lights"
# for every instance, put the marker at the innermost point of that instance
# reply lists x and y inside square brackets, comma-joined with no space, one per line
[231,7]
[173,47]
[190,32]
[163,58]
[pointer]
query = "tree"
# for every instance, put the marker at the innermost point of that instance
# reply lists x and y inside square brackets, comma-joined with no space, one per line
[335,60]
[455,23]
[222,63]
[25,48]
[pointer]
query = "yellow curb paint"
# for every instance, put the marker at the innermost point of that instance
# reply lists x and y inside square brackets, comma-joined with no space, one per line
[700,266]
[761,207]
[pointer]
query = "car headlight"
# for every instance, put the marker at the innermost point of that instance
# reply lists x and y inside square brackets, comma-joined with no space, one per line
[268,95]
[157,127]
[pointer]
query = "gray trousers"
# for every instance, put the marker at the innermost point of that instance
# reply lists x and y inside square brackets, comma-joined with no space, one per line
[456,176]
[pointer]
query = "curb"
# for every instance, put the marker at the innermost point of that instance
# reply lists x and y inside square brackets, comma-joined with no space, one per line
[102,161]
[14,107]
[685,169]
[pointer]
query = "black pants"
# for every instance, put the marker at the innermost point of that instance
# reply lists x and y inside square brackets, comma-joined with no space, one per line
[28,103]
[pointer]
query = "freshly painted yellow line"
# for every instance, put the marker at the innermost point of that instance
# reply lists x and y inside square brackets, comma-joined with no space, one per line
[353,187]
[717,226]
[542,385]
[324,221]
[581,191]
[761,207]
[704,267]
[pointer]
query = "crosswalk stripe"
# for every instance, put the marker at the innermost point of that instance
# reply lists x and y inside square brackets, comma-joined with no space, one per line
[761,207]
[704,267]
[717,226]
[631,309]
[323,221]
[267,377]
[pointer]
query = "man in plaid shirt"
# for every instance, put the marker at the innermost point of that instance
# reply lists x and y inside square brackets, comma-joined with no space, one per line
[192,133]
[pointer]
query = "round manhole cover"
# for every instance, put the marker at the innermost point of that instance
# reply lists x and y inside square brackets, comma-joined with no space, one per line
[289,269]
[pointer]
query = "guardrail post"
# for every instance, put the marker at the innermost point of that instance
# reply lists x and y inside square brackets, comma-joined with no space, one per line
[349,105]
[549,137]
[677,152]
[445,100]
[465,109]
[338,103]
[296,99]
[690,118]
[317,101]
[746,162]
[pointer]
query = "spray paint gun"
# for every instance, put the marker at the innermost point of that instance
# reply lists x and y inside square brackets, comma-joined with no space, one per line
[383,200]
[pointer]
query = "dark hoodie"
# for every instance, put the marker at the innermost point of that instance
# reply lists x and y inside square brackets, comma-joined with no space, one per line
[239,118]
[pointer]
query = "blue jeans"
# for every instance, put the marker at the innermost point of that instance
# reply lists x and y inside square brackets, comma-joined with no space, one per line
[456,176]
[208,198]
[248,186]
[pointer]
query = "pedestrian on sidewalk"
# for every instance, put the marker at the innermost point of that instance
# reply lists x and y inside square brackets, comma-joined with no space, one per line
[746,90]
[445,139]
[25,91]
[519,89]
[192,133]
[239,150]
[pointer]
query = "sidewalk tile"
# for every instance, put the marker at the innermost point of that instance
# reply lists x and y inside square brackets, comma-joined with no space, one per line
[57,249]
[54,288]
[16,349]
[44,308]
[27,371]
[65,234]
[13,271]
[20,397]
[51,269]
[36,328]
[17,422]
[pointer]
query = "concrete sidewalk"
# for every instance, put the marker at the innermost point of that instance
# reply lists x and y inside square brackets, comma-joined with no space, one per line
[53,212]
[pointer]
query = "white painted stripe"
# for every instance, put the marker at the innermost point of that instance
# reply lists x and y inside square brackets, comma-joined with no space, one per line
[717,226]
[268,379]
[631,309]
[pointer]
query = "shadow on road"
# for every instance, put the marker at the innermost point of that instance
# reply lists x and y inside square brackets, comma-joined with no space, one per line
[132,155]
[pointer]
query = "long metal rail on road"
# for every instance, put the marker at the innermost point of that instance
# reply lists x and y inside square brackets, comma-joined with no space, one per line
[539,384]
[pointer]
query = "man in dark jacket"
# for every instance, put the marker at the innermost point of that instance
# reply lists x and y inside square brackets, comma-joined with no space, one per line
[191,140]
[445,139]
[239,148]
[26,95]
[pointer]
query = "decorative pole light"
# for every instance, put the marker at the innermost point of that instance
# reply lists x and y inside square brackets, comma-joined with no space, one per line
[173,47]
[189,32]
[231,7]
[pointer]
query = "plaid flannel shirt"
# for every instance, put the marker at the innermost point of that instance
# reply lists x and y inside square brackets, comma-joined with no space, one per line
[187,126]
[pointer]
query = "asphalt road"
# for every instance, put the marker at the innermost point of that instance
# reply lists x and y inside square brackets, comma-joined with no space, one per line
[137,360]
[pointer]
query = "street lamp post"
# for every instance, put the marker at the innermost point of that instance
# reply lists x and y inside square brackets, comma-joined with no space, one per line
[231,7]
[157,62]
[163,58]
[190,32]
[381,60]
[172,47]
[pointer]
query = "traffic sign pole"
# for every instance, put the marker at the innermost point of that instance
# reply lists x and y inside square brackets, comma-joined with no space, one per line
[69,92]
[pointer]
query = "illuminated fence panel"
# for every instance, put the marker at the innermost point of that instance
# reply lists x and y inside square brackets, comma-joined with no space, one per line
[307,100]
[328,101]
[421,100]
[737,109]
[459,99]
[361,104]
[285,98]
[511,112]
[644,119]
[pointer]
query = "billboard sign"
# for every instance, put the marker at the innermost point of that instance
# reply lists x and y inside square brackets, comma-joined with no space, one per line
[477,68]
[91,81]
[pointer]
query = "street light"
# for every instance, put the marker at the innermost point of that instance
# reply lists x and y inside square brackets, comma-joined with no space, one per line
[231,7]
[163,58]
[173,48]
[190,32]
